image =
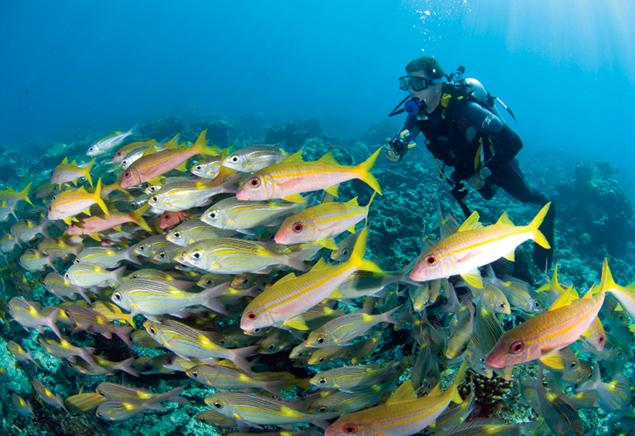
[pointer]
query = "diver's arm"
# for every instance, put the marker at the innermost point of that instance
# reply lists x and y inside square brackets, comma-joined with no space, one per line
[507,143]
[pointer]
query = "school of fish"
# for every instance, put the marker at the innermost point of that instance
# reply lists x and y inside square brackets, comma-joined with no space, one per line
[243,271]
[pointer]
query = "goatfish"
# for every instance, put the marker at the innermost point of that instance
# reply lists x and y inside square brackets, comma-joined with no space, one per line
[322,222]
[403,413]
[473,246]
[94,225]
[254,158]
[563,323]
[130,148]
[153,165]
[69,203]
[293,295]
[293,176]
[67,172]
[107,143]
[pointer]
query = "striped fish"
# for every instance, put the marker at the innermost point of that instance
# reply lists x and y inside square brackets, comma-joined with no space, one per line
[474,245]
[291,295]
[254,158]
[403,414]
[156,297]
[71,202]
[190,343]
[28,315]
[236,256]
[233,214]
[85,401]
[322,222]
[567,319]
[292,176]
[193,230]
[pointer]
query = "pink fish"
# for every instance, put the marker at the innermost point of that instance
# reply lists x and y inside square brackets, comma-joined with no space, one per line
[170,219]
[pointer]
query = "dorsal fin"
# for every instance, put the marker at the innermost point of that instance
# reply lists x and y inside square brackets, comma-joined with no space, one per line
[566,298]
[64,161]
[504,219]
[294,157]
[286,278]
[472,222]
[405,392]
[353,202]
[328,159]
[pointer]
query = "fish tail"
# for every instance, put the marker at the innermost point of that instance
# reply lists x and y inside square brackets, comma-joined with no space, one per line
[24,194]
[209,300]
[137,217]
[357,256]
[240,355]
[50,322]
[607,284]
[172,395]
[201,147]
[388,316]
[86,172]
[364,171]
[535,224]
[460,375]
[126,366]
[98,199]
[123,333]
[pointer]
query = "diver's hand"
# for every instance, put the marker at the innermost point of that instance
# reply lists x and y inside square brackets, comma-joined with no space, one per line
[395,149]
[479,179]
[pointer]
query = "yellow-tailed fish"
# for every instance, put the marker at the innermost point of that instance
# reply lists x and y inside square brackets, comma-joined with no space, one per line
[69,203]
[131,147]
[322,223]
[565,321]
[293,176]
[473,246]
[402,414]
[12,197]
[292,295]
[67,172]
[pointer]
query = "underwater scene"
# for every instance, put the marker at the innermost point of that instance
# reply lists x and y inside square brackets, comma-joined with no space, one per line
[317,217]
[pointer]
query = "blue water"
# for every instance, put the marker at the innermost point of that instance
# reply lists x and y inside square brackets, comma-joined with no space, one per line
[566,68]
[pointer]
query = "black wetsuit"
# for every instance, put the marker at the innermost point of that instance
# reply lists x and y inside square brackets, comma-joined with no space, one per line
[453,135]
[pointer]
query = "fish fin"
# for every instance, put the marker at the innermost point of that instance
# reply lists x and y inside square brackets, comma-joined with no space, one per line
[182,167]
[95,237]
[472,222]
[328,243]
[200,145]
[538,237]
[328,159]
[357,255]
[24,194]
[566,298]
[405,392]
[473,278]
[354,201]
[86,172]
[553,360]
[67,220]
[607,284]
[172,143]
[332,190]
[137,217]
[294,198]
[351,230]
[504,219]
[296,323]
[97,197]
[460,375]
[364,171]
[511,256]
[286,278]
[293,157]
[117,228]
[436,390]
[240,357]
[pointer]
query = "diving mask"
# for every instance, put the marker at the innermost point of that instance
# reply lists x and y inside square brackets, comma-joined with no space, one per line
[416,83]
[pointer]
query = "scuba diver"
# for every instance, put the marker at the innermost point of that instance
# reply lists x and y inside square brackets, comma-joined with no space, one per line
[464,130]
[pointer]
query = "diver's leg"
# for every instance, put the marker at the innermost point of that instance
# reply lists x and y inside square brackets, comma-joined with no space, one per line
[511,179]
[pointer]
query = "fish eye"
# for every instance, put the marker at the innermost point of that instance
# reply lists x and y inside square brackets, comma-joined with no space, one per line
[234,158]
[430,260]
[254,182]
[251,315]
[162,255]
[517,347]
[601,339]
[67,313]
[257,330]
[76,261]
[321,359]
[297,227]
[198,168]
[126,174]
[66,276]
[270,347]
[155,199]
[322,381]
[99,415]
[177,235]
[322,409]
[212,215]
[573,364]
[196,255]
[320,340]
[117,296]
[153,331]
[349,428]
[218,405]
[142,247]
[194,374]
